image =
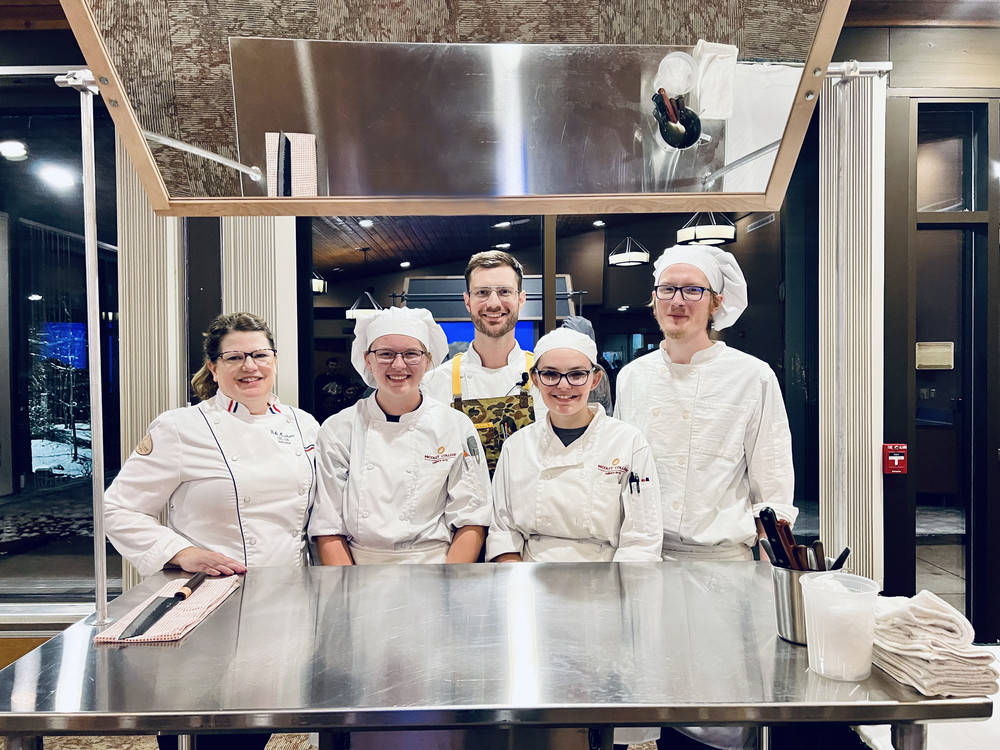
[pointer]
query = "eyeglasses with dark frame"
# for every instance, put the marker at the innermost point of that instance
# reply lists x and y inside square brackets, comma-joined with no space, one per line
[689,293]
[388,356]
[554,377]
[259,356]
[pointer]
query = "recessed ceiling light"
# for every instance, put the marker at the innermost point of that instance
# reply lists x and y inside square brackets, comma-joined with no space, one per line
[404,264]
[623,308]
[366,223]
[56,176]
[502,246]
[13,150]
[502,225]
[598,223]
[34,297]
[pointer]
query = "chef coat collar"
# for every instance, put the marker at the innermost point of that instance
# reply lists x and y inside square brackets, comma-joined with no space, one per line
[698,358]
[551,439]
[373,412]
[516,356]
[238,409]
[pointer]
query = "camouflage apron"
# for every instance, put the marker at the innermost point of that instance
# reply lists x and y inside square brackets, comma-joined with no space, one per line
[495,418]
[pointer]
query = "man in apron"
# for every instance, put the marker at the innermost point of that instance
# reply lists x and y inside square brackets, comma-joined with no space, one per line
[489,382]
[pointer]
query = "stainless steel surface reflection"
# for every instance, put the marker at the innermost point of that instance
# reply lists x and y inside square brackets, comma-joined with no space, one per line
[493,120]
[461,645]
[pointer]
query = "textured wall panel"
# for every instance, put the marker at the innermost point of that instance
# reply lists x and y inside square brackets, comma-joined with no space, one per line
[851,307]
[388,20]
[779,30]
[513,21]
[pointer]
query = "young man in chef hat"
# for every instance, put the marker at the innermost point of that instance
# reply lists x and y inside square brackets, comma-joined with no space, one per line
[402,478]
[714,416]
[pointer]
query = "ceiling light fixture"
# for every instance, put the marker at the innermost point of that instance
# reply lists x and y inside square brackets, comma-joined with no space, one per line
[365,304]
[706,229]
[503,246]
[56,176]
[319,285]
[628,252]
[34,297]
[511,223]
[366,223]
[13,150]
[598,223]
[404,264]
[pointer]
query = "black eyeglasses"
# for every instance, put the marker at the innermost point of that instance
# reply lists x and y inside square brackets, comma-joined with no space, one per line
[259,356]
[688,293]
[573,377]
[388,356]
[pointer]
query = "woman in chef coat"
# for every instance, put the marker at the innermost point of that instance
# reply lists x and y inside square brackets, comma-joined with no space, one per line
[236,472]
[402,478]
[579,486]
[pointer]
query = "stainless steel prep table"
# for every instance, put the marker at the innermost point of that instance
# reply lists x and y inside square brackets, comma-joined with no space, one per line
[419,646]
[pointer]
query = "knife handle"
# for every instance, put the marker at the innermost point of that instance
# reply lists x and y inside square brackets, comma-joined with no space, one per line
[788,544]
[801,557]
[820,555]
[188,588]
[778,555]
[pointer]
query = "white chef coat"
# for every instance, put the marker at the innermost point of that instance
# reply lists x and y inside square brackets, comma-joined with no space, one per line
[233,482]
[557,503]
[397,490]
[720,439]
[482,382]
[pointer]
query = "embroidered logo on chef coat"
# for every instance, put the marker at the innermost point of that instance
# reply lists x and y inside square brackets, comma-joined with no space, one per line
[441,456]
[284,438]
[145,446]
[615,469]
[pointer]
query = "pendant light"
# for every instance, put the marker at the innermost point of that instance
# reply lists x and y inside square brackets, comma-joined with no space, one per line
[628,252]
[365,304]
[707,229]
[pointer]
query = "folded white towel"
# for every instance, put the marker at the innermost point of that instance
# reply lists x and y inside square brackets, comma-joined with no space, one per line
[924,615]
[931,649]
[938,678]
[716,73]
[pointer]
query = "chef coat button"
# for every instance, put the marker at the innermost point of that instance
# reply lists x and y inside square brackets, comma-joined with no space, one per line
[246,499]
[663,370]
[677,506]
[298,453]
[409,469]
[251,540]
[217,420]
[365,514]
[405,545]
[302,491]
[681,460]
[234,458]
[410,428]
[288,418]
[402,516]
[656,412]
[685,415]
[370,466]
[694,370]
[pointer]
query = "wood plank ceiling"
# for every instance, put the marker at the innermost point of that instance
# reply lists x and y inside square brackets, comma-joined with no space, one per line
[428,240]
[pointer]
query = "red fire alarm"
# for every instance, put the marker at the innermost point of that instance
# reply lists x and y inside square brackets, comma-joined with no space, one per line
[893,458]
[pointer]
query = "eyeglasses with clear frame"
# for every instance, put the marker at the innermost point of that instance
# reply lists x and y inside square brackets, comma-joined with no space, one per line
[388,356]
[689,293]
[483,293]
[236,359]
[573,377]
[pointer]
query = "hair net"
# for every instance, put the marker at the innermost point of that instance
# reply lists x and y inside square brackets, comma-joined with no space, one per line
[403,321]
[721,270]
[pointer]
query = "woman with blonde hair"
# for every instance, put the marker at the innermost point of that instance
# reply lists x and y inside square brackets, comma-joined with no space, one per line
[236,471]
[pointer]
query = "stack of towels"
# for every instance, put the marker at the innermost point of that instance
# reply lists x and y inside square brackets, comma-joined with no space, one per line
[925,642]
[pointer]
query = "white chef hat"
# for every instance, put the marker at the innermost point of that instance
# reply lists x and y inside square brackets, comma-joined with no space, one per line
[567,338]
[403,321]
[721,270]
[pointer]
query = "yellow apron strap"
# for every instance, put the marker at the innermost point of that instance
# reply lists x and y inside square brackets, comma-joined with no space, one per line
[456,376]
[529,360]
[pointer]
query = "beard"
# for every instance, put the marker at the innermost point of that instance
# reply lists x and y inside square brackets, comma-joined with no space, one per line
[496,333]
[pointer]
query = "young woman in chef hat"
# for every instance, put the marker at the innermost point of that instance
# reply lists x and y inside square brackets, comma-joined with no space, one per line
[402,478]
[579,486]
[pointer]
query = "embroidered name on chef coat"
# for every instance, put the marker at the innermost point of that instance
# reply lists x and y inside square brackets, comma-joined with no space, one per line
[283,438]
[615,469]
[439,456]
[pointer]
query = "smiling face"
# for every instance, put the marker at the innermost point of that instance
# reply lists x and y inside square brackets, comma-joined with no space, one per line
[249,382]
[494,317]
[398,383]
[681,319]
[567,404]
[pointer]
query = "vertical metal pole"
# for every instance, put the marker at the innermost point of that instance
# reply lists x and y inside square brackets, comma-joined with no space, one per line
[94,352]
[840,509]
[548,273]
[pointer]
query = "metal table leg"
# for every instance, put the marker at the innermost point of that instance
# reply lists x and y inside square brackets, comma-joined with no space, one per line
[909,736]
